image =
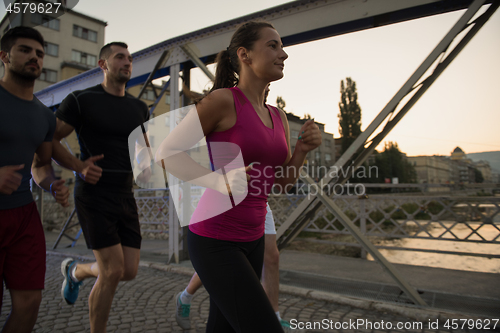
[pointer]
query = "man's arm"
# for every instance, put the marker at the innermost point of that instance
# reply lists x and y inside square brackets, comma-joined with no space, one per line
[10,179]
[43,174]
[89,172]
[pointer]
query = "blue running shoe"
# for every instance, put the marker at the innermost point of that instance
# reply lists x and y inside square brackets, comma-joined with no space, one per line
[70,288]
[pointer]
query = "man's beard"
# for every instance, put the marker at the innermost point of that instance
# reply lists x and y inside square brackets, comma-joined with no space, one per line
[25,76]
[120,78]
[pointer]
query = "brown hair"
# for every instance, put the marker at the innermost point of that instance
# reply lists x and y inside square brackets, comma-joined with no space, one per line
[228,65]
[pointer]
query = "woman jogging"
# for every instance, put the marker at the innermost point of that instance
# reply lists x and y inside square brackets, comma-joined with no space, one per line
[227,249]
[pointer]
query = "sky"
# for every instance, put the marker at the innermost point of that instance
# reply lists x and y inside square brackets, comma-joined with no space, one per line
[462,108]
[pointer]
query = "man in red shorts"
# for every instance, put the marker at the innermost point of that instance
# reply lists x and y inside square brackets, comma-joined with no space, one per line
[26,130]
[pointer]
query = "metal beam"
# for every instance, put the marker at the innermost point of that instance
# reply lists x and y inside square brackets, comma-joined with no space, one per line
[161,62]
[158,99]
[318,19]
[386,265]
[360,142]
[196,60]
[173,219]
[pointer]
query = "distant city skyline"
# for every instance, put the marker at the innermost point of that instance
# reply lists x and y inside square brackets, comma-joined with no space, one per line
[462,108]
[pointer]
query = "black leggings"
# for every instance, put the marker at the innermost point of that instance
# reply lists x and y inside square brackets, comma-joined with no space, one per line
[230,272]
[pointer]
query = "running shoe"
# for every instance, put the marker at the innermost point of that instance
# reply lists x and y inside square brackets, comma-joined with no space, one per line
[286,327]
[70,288]
[182,313]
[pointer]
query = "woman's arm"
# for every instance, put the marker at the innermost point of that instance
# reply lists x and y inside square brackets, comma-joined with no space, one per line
[309,139]
[215,112]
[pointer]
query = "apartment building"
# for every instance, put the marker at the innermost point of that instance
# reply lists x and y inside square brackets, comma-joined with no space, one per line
[321,158]
[72,42]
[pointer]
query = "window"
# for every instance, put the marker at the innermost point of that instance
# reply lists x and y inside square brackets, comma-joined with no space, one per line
[149,95]
[167,99]
[317,156]
[48,75]
[45,21]
[295,134]
[327,143]
[83,58]
[328,157]
[84,33]
[51,49]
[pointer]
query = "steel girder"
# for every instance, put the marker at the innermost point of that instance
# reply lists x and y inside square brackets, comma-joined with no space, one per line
[318,19]
[417,85]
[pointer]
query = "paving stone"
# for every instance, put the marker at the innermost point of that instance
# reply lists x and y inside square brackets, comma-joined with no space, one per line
[146,305]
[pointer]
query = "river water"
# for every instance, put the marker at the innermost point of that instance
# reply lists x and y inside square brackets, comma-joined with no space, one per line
[459,262]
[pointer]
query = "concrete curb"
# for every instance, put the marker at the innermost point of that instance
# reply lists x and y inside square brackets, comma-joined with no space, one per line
[405,310]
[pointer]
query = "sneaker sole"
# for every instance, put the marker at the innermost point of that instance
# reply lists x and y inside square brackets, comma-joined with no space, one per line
[64,268]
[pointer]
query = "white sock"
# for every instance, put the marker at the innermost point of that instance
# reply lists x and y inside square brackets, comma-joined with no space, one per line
[72,274]
[186,297]
[278,315]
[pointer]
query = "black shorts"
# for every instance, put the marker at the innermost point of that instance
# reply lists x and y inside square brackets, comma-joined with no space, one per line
[109,220]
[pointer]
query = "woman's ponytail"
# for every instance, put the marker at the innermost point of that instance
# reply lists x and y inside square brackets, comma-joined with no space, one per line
[228,66]
[225,75]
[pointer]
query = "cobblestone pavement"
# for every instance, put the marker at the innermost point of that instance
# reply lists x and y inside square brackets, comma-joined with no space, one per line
[146,305]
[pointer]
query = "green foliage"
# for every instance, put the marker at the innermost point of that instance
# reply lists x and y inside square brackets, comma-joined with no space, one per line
[350,113]
[280,103]
[478,175]
[391,163]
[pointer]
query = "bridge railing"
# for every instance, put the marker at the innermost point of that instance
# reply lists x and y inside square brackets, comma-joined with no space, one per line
[392,216]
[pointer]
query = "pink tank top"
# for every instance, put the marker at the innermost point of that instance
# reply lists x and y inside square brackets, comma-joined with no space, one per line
[267,149]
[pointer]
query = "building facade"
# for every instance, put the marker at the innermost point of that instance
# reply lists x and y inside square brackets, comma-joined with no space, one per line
[455,169]
[320,159]
[432,169]
[72,42]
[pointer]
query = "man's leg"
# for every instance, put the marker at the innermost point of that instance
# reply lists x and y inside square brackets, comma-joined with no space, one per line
[114,264]
[131,262]
[271,272]
[25,304]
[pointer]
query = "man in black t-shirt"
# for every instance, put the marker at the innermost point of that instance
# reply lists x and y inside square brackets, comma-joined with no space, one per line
[26,130]
[103,118]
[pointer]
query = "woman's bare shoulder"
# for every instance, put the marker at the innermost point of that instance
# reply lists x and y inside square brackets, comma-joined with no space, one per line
[216,110]
[220,99]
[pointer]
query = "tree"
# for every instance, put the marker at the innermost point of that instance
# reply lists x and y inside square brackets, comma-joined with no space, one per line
[280,103]
[478,175]
[391,163]
[350,113]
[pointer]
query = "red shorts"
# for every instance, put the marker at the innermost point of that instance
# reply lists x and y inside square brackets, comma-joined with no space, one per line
[22,248]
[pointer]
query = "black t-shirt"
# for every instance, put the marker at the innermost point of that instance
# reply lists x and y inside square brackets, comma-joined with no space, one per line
[103,123]
[24,126]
